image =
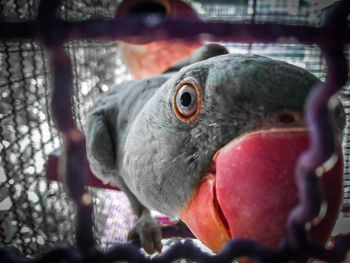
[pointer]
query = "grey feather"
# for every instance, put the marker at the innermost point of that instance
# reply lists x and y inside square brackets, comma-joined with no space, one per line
[151,146]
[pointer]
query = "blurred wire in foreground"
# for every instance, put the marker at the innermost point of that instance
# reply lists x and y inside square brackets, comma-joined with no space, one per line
[53,32]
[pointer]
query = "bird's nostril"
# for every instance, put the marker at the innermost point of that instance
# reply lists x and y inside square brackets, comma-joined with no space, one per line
[287,118]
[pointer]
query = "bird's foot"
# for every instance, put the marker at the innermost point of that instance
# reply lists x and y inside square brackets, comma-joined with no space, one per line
[148,231]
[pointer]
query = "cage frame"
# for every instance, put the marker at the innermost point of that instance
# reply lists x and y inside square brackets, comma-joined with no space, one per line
[52,32]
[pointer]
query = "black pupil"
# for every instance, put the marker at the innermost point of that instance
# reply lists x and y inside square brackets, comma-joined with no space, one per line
[186,99]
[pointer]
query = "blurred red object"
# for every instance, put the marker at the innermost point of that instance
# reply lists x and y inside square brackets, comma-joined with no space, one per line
[144,59]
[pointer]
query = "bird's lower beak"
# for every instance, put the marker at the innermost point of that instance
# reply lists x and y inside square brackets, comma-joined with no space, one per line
[250,188]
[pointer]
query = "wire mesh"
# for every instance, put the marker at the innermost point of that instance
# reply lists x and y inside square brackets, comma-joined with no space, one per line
[31,216]
[35,216]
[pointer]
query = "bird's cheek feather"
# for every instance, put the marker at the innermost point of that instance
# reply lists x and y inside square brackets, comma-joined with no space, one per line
[252,190]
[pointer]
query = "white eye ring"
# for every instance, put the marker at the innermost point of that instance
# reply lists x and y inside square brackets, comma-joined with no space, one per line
[187,100]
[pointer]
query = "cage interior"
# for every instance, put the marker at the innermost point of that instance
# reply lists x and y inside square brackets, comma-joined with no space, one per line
[35,215]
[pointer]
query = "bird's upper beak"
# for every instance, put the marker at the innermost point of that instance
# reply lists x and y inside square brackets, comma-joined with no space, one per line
[249,189]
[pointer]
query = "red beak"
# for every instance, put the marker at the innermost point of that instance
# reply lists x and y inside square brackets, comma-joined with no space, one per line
[250,189]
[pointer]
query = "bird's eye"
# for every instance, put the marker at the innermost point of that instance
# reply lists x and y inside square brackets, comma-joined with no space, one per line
[187,101]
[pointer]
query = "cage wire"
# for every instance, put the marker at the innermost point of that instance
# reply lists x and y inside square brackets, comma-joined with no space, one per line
[34,215]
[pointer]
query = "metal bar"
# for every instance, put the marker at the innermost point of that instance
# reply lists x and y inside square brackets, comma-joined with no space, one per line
[171,29]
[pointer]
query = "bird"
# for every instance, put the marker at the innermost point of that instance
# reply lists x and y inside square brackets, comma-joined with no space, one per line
[212,142]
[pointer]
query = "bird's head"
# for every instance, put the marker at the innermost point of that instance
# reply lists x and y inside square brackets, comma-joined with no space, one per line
[218,136]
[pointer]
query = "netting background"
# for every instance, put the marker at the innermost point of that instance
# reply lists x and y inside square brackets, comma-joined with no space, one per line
[34,215]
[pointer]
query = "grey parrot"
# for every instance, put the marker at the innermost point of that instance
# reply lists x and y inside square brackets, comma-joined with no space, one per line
[158,139]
